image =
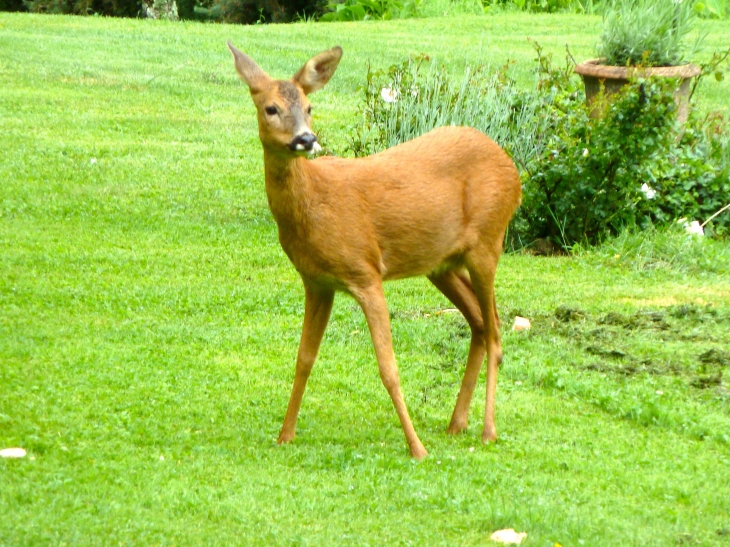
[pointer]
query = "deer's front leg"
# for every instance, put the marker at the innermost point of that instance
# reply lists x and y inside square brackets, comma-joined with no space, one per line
[372,302]
[317,308]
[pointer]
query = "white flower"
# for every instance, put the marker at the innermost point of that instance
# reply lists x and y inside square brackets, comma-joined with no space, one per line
[692,228]
[93,161]
[585,152]
[695,228]
[389,95]
[649,192]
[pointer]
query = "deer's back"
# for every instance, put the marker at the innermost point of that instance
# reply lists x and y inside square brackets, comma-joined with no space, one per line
[418,206]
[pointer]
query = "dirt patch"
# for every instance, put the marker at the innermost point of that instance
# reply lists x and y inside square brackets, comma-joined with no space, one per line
[715,357]
[704,382]
[685,340]
[612,368]
[607,352]
[643,319]
[567,314]
[692,311]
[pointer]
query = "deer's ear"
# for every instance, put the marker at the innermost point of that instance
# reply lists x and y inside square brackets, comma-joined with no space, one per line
[249,71]
[318,70]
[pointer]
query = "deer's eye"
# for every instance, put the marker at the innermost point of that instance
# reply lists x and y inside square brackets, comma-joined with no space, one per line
[309,110]
[270,110]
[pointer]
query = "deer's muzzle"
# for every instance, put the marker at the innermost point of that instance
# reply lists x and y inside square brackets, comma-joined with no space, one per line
[306,142]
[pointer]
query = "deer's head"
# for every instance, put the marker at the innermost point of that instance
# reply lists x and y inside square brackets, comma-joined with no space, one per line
[284,112]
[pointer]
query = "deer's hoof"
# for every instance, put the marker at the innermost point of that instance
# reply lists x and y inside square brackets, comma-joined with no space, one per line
[489,435]
[456,427]
[418,452]
[285,437]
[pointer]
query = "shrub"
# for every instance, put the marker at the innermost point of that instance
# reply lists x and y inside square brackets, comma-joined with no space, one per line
[12,5]
[587,183]
[636,167]
[116,8]
[259,11]
[546,6]
[647,32]
[692,178]
[359,10]
[186,9]
[160,9]
[713,9]
[584,179]
[410,99]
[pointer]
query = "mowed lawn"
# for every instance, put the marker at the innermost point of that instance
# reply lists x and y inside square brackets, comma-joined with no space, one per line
[149,323]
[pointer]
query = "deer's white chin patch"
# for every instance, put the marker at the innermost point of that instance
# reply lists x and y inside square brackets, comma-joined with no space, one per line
[316,148]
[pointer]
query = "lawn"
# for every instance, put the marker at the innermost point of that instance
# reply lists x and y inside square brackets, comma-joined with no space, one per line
[149,323]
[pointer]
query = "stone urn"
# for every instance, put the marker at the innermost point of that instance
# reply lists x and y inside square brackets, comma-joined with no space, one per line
[612,78]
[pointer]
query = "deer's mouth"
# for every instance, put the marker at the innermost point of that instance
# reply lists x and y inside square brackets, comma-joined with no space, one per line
[306,143]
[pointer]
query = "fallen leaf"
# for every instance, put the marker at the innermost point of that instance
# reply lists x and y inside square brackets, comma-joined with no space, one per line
[13,453]
[447,310]
[508,536]
[521,323]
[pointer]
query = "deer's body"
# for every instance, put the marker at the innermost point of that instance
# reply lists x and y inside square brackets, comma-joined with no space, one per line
[430,204]
[437,206]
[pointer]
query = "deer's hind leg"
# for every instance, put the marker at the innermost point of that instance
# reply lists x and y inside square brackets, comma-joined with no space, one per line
[457,287]
[482,266]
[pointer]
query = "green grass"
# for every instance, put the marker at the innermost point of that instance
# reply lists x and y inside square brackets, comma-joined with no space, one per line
[147,312]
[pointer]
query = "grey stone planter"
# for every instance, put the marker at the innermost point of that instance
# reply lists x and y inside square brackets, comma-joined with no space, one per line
[612,78]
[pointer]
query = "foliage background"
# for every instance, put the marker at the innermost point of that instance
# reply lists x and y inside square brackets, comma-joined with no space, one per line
[584,179]
[148,312]
[257,11]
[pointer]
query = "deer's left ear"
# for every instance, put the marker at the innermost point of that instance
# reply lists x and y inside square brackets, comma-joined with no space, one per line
[249,71]
[318,70]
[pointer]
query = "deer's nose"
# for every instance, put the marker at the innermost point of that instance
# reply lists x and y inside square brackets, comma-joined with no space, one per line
[304,142]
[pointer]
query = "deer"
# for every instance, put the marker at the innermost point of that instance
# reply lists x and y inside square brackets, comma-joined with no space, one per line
[438,205]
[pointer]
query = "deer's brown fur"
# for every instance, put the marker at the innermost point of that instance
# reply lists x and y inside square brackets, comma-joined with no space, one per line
[437,206]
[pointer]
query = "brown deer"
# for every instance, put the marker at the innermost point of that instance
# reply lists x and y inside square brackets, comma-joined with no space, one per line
[437,206]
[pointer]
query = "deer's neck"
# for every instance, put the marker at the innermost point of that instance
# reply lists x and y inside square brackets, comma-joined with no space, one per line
[288,182]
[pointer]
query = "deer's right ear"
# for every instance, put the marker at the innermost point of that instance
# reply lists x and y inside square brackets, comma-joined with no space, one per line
[249,71]
[318,70]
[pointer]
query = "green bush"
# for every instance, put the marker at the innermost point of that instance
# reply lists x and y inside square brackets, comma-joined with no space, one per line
[546,6]
[587,183]
[692,178]
[648,33]
[635,167]
[115,8]
[259,11]
[359,10]
[186,9]
[584,179]
[713,9]
[410,99]
[12,5]
[51,6]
